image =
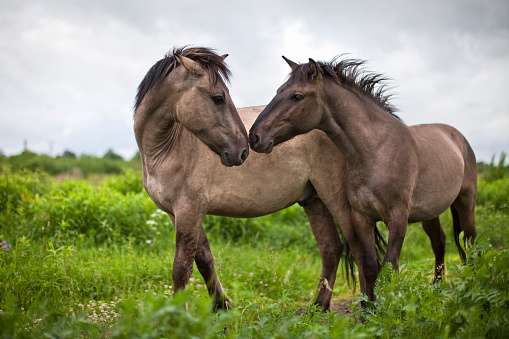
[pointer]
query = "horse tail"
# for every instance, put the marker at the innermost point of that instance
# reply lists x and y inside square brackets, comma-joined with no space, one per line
[381,246]
[457,230]
[349,262]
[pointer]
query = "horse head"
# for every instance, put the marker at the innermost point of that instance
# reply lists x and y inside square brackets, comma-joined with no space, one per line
[295,109]
[186,89]
[206,109]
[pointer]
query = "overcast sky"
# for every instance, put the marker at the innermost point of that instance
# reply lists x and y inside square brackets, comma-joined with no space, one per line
[69,70]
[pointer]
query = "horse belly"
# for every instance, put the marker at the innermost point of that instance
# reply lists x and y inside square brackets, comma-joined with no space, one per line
[256,203]
[428,203]
[264,184]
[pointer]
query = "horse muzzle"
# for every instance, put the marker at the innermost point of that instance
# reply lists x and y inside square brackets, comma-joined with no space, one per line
[229,158]
[259,145]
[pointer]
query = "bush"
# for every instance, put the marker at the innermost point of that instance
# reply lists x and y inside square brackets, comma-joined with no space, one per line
[129,181]
[491,171]
[111,163]
[473,304]
[493,194]
[34,205]
[287,227]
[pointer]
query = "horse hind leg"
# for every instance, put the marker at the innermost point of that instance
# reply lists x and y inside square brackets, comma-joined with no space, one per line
[463,217]
[205,263]
[330,246]
[437,237]
[463,208]
[457,230]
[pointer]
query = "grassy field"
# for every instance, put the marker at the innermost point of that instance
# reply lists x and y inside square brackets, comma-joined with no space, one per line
[93,258]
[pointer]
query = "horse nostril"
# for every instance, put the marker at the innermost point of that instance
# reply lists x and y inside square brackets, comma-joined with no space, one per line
[257,139]
[244,155]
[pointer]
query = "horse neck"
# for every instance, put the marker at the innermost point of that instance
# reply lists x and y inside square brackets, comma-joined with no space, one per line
[356,124]
[159,135]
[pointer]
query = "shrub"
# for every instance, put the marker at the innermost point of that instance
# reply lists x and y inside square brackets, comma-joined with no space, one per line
[474,303]
[34,205]
[493,194]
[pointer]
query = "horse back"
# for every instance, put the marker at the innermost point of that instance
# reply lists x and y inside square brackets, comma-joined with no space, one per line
[442,141]
[248,115]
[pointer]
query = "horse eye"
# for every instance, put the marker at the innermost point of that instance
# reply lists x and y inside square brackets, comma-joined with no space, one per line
[297,97]
[218,99]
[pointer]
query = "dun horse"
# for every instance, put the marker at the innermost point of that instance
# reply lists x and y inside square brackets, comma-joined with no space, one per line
[183,115]
[394,172]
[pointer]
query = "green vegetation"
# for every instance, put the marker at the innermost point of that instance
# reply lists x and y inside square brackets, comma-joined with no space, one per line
[91,256]
[491,171]
[68,164]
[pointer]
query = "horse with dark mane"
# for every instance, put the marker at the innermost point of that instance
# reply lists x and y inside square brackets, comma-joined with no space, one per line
[394,173]
[184,118]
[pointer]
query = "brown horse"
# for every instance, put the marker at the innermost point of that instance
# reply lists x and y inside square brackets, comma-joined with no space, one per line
[394,173]
[183,115]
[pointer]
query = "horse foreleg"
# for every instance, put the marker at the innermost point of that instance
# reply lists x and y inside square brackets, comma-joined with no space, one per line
[205,263]
[187,234]
[330,246]
[362,239]
[437,237]
[397,224]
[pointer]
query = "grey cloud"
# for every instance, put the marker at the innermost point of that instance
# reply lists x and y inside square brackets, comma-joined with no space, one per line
[69,68]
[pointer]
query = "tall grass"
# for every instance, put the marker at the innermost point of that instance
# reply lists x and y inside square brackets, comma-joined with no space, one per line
[94,259]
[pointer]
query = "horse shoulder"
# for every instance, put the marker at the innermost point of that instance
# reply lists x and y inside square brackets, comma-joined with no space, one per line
[180,178]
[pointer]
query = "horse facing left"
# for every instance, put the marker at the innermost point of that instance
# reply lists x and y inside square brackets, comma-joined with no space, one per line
[395,173]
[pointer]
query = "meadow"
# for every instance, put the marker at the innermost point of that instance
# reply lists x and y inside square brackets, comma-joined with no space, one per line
[90,256]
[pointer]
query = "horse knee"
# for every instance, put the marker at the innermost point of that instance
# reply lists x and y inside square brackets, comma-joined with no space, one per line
[339,248]
[370,275]
[204,259]
[333,251]
[181,275]
[370,269]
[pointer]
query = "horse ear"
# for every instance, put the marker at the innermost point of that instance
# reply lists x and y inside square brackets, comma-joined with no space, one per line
[190,65]
[314,70]
[292,64]
[223,57]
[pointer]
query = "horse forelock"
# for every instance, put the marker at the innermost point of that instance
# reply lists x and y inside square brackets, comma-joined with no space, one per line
[209,59]
[206,57]
[350,72]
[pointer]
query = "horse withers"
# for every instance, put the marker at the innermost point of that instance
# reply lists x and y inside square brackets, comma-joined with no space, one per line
[184,118]
[394,173]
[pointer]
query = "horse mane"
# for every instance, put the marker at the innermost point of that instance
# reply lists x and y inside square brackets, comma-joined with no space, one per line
[206,57]
[351,73]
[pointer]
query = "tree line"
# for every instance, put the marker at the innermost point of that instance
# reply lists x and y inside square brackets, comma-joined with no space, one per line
[69,163]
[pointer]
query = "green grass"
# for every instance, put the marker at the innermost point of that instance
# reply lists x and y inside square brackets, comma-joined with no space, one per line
[93,258]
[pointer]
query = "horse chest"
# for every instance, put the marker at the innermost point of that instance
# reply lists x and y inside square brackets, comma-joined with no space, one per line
[375,196]
[363,199]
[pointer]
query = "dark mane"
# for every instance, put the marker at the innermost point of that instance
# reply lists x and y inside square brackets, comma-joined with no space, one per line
[351,73]
[207,57]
